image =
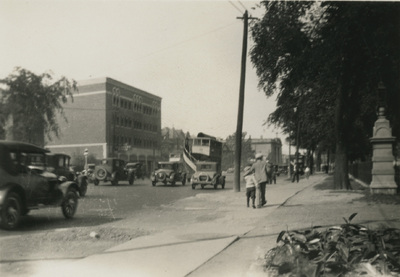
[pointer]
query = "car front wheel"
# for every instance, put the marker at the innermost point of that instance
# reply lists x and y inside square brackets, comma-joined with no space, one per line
[70,204]
[11,211]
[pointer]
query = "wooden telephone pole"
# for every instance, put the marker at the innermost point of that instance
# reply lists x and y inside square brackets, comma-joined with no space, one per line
[238,145]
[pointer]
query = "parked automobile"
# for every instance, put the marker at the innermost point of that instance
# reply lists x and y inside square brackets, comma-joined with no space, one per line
[207,174]
[169,173]
[113,170]
[137,169]
[26,184]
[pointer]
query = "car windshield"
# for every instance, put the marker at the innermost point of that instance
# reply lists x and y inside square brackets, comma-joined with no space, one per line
[33,159]
[165,166]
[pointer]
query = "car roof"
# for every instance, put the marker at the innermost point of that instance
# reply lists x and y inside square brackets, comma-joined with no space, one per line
[133,163]
[168,162]
[22,146]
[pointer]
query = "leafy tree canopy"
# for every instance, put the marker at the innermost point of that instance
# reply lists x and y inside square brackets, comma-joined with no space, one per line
[313,53]
[33,101]
[325,61]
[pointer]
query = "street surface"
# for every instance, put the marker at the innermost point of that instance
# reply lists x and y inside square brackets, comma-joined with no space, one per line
[106,203]
[107,216]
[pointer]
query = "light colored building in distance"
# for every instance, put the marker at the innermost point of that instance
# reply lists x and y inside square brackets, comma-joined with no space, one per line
[111,119]
[270,148]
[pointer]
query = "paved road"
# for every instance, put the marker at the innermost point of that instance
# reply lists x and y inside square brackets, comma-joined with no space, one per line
[106,203]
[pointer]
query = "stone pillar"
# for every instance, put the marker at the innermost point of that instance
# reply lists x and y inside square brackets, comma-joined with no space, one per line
[382,159]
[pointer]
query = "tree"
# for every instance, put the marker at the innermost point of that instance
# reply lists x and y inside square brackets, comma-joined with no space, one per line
[33,101]
[327,59]
[230,143]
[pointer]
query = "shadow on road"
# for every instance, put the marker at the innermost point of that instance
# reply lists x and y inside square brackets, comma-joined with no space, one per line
[44,222]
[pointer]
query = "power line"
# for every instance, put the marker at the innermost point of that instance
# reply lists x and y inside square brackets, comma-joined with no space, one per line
[176,44]
[242,5]
[241,12]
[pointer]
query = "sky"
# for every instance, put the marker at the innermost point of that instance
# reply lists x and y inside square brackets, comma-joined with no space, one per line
[187,52]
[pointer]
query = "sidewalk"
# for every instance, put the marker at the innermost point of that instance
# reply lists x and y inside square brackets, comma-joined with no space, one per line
[225,238]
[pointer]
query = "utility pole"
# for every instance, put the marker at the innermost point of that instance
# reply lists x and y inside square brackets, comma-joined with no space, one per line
[238,145]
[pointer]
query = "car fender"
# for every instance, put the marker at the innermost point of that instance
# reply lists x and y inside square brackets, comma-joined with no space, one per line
[65,186]
[5,189]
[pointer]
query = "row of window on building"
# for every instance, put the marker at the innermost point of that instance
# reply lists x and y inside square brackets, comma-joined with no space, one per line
[136,105]
[129,123]
[135,142]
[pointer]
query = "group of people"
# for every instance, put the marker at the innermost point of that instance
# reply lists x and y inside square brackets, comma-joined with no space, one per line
[257,176]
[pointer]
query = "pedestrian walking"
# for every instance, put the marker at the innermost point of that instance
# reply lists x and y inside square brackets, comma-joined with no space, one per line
[270,172]
[260,173]
[307,172]
[274,173]
[296,172]
[251,184]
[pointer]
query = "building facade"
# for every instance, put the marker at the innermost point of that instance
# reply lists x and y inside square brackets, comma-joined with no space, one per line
[111,119]
[270,148]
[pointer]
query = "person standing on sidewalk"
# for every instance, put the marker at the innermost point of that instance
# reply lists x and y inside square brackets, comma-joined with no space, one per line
[274,173]
[260,173]
[307,172]
[296,172]
[269,170]
[251,184]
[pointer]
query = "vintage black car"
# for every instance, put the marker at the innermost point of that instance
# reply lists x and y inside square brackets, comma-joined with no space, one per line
[60,165]
[26,184]
[113,170]
[137,168]
[169,173]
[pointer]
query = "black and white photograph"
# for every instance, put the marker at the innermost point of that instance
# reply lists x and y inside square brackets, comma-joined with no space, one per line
[191,138]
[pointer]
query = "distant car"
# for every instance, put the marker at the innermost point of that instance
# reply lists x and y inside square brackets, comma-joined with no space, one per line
[137,168]
[169,173]
[89,172]
[26,184]
[207,174]
[113,170]
[230,170]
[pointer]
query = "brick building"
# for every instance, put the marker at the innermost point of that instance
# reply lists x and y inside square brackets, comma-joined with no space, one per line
[270,148]
[111,119]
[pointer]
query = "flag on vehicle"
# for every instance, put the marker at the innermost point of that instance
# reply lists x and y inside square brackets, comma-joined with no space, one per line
[187,157]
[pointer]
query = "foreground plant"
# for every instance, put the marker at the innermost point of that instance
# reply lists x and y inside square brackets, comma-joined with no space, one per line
[346,250]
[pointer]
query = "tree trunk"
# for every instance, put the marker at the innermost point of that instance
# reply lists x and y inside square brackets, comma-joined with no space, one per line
[341,173]
[341,176]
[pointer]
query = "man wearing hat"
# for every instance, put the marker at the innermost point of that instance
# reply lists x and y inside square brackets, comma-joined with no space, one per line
[259,168]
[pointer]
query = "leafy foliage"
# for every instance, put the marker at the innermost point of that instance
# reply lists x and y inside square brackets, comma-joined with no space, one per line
[228,156]
[336,251]
[33,101]
[325,60]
